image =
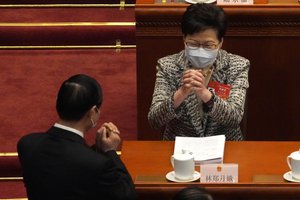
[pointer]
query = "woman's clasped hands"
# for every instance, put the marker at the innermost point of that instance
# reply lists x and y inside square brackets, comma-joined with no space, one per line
[193,80]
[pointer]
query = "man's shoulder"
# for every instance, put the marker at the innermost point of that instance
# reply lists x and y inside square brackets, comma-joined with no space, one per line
[32,137]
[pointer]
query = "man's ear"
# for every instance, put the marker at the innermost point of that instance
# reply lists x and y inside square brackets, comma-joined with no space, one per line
[93,110]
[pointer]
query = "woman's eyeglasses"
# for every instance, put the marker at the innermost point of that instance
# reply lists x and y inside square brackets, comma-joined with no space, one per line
[207,46]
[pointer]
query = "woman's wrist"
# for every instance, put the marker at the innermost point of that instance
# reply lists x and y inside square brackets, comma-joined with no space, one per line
[179,97]
[206,96]
[208,105]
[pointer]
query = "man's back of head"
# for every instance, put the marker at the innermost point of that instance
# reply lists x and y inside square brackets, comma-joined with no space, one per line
[76,96]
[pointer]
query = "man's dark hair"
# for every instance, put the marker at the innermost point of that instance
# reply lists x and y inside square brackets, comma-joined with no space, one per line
[76,96]
[200,17]
[193,193]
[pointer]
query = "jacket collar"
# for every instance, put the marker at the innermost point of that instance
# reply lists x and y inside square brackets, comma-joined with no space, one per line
[181,61]
[65,134]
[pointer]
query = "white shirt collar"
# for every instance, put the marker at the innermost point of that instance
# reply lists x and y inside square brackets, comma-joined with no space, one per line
[69,129]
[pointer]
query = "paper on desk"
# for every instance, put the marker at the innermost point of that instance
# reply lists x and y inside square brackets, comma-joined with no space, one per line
[205,149]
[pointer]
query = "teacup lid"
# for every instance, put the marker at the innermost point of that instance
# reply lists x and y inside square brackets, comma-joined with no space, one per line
[295,155]
[183,156]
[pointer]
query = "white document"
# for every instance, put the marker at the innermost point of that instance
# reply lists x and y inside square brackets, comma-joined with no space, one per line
[205,149]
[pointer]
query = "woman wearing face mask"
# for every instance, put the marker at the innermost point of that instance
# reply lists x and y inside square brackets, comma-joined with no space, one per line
[201,90]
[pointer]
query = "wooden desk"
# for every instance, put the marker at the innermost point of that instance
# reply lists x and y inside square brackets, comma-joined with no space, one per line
[261,166]
[267,34]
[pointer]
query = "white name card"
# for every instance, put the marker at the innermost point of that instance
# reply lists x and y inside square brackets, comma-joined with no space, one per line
[235,2]
[219,173]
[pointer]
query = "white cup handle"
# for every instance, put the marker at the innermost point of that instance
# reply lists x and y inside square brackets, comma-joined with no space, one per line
[172,161]
[288,162]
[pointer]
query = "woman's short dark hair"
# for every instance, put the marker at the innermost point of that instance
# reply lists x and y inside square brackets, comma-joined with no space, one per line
[76,96]
[200,17]
[193,193]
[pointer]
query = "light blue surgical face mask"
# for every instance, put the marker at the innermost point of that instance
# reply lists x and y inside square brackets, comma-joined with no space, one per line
[200,57]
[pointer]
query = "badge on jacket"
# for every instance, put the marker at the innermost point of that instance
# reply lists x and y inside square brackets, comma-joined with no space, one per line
[221,90]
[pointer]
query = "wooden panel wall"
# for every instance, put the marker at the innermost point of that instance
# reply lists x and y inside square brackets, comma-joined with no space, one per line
[268,35]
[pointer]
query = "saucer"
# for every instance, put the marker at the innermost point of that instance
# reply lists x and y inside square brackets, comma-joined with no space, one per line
[171,177]
[288,176]
[200,1]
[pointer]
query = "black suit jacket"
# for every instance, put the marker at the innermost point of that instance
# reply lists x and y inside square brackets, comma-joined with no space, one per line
[58,164]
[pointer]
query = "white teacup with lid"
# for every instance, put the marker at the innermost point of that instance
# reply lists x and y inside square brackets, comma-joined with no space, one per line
[184,165]
[293,161]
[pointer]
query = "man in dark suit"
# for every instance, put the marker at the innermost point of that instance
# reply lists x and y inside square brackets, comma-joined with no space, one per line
[58,164]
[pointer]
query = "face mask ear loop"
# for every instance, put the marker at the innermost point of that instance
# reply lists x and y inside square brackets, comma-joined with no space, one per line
[93,123]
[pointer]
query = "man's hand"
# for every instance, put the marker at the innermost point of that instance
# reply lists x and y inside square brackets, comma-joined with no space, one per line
[108,137]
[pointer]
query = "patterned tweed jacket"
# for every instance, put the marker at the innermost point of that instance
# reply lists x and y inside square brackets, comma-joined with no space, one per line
[189,119]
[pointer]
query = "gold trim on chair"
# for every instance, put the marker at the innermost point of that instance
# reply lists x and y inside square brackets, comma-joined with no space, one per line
[17,178]
[7,154]
[18,24]
[15,199]
[70,47]
[4,154]
[121,5]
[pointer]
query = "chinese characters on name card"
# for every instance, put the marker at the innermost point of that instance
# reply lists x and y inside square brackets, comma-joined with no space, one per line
[235,2]
[219,173]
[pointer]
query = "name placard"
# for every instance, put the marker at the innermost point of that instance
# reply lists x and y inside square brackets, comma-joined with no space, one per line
[219,173]
[235,2]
